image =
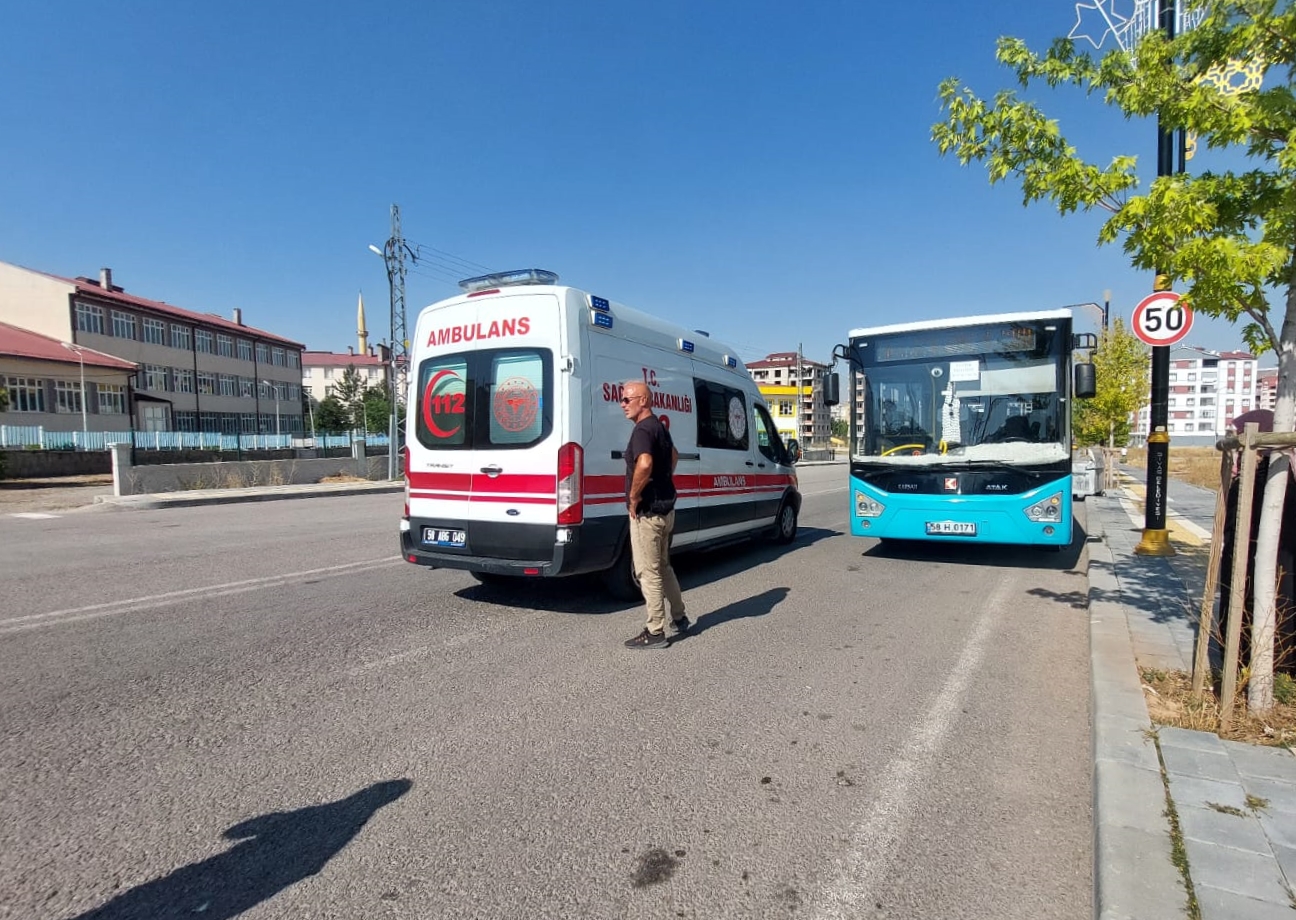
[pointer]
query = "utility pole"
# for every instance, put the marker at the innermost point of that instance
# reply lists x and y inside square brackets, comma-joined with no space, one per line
[800,404]
[393,254]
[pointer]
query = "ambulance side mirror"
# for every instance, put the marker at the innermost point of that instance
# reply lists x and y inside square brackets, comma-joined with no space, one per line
[1086,383]
[831,389]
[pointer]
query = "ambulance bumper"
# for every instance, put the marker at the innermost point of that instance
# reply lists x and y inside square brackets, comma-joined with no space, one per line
[533,551]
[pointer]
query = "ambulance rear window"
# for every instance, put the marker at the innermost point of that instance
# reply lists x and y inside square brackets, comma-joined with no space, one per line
[494,398]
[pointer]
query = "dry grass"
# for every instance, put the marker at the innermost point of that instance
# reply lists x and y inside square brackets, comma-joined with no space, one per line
[1170,701]
[343,477]
[1197,466]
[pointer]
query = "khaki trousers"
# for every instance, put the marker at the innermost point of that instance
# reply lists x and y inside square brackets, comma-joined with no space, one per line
[650,539]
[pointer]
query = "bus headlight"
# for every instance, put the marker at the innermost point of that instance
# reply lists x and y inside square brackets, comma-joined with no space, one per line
[866,507]
[1050,509]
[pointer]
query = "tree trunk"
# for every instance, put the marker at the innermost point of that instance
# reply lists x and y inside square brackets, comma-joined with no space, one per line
[1264,616]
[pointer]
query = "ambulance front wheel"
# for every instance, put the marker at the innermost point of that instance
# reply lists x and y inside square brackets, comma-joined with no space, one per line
[785,525]
[620,580]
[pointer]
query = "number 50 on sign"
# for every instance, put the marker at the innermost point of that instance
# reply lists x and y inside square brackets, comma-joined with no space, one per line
[1160,319]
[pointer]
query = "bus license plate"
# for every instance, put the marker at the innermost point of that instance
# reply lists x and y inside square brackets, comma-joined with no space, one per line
[957,528]
[435,536]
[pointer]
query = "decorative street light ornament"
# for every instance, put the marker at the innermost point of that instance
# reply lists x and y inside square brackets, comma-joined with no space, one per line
[1229,80]
[1098,19]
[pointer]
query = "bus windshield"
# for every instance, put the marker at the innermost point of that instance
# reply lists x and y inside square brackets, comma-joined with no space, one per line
[995,392]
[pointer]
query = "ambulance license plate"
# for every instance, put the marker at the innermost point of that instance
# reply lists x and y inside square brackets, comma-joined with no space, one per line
[955,528]
[435,536]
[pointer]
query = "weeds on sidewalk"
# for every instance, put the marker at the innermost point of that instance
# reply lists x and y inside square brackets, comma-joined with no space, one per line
[1170,701]
[1178,851]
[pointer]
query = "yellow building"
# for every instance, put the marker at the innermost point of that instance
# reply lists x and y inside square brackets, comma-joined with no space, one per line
[782,402]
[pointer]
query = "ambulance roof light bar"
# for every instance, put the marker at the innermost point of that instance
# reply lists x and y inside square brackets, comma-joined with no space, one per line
[509,279]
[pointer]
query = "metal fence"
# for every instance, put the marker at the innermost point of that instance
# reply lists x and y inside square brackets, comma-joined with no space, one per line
[36,437]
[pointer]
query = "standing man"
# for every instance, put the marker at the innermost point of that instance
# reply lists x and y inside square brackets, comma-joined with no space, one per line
[650,499]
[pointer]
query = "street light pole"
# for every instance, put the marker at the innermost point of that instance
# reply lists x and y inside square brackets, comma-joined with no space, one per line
[85,425]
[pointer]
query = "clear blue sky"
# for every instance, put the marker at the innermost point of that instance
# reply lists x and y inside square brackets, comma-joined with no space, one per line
[761,170]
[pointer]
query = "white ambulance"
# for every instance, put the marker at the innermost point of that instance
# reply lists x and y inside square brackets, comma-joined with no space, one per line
[515,433]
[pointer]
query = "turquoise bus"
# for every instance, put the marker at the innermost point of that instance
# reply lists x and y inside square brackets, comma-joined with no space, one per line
[960,429]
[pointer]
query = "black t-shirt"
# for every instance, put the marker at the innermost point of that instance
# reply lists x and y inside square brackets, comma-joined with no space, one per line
[651,437]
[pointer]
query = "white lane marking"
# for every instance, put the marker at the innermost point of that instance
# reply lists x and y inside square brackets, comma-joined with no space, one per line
[33,515]
[495,628]
[1131,512]
[132,605]
[874,841]
[826,491]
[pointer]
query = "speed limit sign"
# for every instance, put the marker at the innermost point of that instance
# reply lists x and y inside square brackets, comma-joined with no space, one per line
[1160,319]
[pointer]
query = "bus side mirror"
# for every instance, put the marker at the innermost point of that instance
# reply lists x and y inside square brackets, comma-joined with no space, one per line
[831,390]
[793,450]
[1086,384]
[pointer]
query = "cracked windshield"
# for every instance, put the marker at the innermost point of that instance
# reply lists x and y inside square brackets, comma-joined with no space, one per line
[985,393]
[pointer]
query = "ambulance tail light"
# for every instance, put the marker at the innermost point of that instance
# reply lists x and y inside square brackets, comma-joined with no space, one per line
[404,455]
[571,474]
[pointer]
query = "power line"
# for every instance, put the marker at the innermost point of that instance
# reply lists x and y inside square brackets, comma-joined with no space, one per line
[431,253]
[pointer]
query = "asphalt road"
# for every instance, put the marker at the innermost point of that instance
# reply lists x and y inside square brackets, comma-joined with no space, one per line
[259,711]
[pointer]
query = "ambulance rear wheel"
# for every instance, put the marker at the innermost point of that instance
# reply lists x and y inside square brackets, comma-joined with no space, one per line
[620,580]
[785,525]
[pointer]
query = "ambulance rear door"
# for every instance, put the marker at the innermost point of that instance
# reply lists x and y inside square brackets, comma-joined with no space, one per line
[484,425]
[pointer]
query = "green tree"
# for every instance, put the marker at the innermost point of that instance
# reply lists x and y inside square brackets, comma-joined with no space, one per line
[331,417]
[349,391]
[840,428]
[1228,236]
[1121,368]
[377,408]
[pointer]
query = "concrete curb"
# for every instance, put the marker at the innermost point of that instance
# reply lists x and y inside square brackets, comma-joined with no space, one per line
[1134,874]
[230,496]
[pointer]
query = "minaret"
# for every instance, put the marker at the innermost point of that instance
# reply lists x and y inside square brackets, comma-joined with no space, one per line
[361,333]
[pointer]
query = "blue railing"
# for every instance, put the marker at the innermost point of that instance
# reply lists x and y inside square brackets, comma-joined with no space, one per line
[37,437]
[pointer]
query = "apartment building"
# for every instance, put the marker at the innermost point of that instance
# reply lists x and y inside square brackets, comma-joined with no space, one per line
[790,377]
[1208,390]
[1266,388]
[321,370]
[197,371]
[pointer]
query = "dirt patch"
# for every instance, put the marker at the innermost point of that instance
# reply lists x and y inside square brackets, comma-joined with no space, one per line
[343,477]
[1197,466]
[64,493]
[1170,701]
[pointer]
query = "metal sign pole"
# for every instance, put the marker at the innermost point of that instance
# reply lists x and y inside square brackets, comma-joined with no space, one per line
[1156,538]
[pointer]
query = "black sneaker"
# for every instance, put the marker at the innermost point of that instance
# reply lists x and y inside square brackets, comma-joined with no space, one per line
[681,626]
[647,639]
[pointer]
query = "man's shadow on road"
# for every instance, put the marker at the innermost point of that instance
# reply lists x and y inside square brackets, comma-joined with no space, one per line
[755,606]
[277,850]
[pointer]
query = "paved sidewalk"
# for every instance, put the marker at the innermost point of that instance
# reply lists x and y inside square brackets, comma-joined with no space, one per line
[1235,804]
